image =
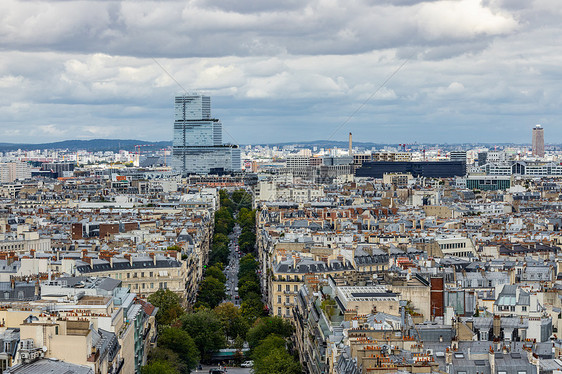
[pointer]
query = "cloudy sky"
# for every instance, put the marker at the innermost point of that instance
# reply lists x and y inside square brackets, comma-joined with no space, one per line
[283,70]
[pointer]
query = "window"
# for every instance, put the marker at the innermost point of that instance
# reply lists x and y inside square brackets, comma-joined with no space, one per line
[279,299]
[288,287]
[150,274]
[128,275]
[296,288]
[151,285]
[287,300]
[524,308]
[143,286]
[279,311]
[142,274]
[56,330]
[279,288]
[165,285]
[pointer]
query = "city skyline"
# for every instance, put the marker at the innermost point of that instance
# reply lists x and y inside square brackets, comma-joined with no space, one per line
[476,71]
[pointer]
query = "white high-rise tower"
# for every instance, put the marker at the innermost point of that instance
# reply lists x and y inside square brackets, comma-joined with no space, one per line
[197,144]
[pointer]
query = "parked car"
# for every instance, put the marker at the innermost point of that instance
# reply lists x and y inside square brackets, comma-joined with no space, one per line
[247,364]
[217,371]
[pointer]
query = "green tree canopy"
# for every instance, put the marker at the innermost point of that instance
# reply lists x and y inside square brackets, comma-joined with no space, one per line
[219,238]
[215,272]
[206,330]
[159,367]
[180,342]
[234,324]
[168,356]
[225,200]
[211,292]
[219,254]
[270,343]
[176,248]
[278,361]
[169,306]
[246,287]
[242,199]
[251,307]
[266,326]
[248,265]
[247,218]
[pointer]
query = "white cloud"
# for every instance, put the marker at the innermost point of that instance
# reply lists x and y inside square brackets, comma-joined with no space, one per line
[462,19]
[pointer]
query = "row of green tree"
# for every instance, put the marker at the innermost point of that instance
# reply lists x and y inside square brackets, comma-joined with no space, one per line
[249,289]
[187,338]
[269,340]
[247,221]
[224,224]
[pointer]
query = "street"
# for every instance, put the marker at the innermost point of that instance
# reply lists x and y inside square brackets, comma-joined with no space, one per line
[231,271]
[229,370]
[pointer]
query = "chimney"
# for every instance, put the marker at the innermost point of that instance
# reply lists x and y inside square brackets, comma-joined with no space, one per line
[496,324]
[492,360]
[350,145]
[449,356]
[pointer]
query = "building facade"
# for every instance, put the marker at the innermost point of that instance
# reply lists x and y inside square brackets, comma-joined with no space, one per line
[197,145]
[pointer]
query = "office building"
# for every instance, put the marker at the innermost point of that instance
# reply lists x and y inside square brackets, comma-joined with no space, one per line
[488,182]
[482,158]
[12,171]
[538,141]
[458,156]
[430,169]
[197,146]
[59,169]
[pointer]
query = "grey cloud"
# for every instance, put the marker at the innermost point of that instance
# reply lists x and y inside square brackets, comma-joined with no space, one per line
[281,70]
[178,29]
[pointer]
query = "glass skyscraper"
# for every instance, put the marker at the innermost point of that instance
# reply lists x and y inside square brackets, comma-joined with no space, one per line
[197,144]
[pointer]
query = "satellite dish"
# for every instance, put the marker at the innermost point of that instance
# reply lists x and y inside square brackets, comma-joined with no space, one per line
[44,348]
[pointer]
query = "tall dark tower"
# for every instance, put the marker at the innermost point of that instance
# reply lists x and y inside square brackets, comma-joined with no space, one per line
[538,141]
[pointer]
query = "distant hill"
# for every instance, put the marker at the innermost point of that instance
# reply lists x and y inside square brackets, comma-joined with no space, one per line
[92,145]
[324,144]
[417,146]
[129,145]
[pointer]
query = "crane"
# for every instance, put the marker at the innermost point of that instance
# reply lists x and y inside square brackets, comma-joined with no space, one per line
[138,152]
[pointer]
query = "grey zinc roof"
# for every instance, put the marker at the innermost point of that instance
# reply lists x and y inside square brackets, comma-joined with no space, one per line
[49,366]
